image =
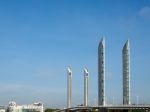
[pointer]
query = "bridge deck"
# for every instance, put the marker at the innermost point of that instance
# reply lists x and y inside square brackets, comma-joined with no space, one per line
[119,107]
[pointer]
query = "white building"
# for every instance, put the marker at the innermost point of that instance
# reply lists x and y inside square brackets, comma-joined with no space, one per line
[36,107]
[2,109]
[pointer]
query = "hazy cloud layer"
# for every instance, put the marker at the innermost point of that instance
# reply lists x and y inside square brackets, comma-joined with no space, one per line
[27,94]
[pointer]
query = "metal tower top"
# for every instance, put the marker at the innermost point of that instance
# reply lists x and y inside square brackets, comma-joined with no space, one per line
[126,45]
[102,43]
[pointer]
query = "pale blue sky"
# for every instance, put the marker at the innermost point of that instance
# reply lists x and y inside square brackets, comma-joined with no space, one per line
[40,38]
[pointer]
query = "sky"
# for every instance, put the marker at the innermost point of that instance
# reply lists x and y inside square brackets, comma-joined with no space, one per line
[40,38]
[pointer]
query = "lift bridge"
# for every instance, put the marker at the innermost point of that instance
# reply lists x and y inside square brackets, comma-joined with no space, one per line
[126,107]
[108,108]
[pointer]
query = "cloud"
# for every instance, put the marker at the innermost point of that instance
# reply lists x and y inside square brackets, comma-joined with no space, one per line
[145,12]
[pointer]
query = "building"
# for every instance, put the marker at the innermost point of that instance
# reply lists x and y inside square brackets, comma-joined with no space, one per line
[126,73]
[2,109]
[101,73]
[36,107]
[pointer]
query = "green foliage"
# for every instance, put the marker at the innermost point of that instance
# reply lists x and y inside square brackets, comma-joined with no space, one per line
[50,110]
[139,110]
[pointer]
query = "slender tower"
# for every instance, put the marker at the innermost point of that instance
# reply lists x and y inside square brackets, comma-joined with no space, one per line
[126,73]
[86,76]
[69,87]
[101,73]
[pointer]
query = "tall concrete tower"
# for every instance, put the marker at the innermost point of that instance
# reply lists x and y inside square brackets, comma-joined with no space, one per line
[69,87]
[126,73]
[86,76]
[101,73]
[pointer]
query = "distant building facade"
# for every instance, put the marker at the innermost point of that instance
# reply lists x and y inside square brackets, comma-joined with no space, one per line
[36,107]
[2,109]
